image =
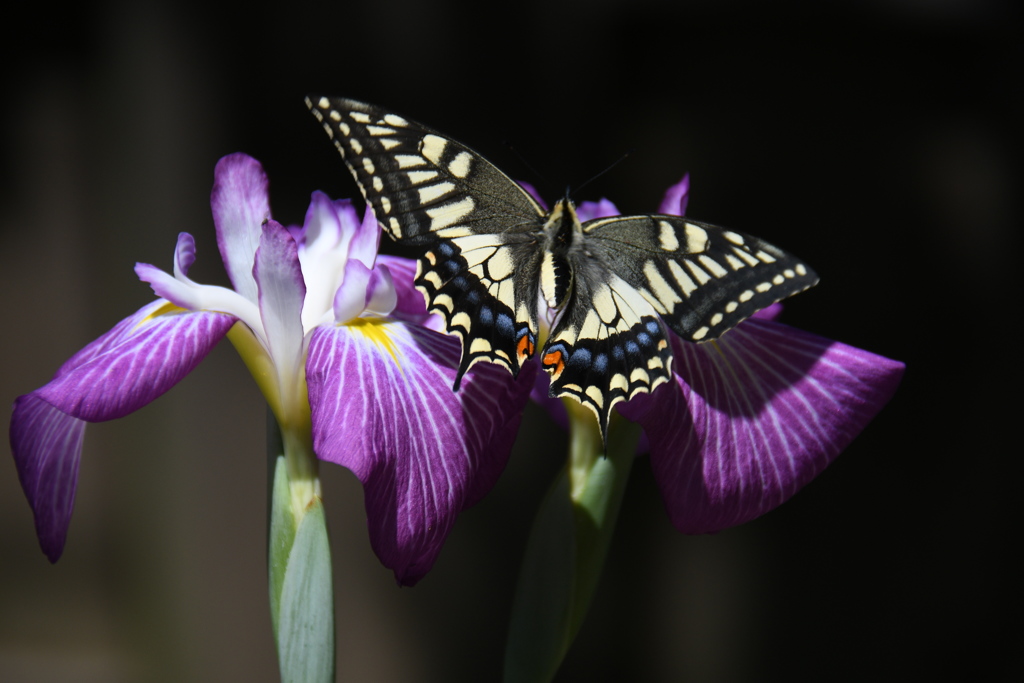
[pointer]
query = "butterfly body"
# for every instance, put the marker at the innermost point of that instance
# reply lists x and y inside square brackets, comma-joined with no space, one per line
[490,255]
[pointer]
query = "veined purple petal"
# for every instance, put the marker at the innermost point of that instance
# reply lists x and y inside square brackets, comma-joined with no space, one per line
[138,360]
[588,211]
[184,254]
[383,406]
[47,448]
[748,423]
[278,277]
[676,198]
[240,204]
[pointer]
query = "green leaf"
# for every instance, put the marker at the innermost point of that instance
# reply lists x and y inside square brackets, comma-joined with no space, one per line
[541,610]
[305,634]
[282,537]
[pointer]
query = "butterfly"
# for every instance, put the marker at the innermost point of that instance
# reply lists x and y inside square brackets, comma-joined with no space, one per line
[489,254]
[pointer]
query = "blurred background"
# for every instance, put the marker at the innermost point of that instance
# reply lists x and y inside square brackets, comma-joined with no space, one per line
[877,140]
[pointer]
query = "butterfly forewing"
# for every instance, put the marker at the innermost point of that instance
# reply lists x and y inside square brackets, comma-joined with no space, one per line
[478,230]
[703,280]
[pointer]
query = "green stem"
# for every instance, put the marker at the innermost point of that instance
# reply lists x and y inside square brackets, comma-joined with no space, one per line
[299,563]
[567,547]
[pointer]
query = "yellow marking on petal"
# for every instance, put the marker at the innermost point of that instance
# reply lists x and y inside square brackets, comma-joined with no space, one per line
[166,309]
[375,330]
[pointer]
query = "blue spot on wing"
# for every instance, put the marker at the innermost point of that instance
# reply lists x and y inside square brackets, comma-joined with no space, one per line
[505,325]
[579,360]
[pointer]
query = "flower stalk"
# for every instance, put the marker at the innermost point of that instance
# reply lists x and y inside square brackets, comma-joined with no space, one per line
[299,564]
[567,547]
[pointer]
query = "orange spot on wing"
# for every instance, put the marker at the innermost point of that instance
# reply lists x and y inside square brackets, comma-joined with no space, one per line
[524,349]
[554,361]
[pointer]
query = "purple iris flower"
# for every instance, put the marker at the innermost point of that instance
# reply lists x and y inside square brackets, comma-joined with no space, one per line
[751,417]
[339,343]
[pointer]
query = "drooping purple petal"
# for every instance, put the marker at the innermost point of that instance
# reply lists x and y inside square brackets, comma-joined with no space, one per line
[138,360]
[278,277]
[676,198]
[142,357]
[748,423]
[383,406]
[240,204]
[47,448]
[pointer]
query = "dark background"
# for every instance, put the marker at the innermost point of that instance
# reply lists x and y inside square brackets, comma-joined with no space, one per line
[877,140]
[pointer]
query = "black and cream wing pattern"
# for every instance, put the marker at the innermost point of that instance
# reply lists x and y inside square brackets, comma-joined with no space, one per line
[489,254]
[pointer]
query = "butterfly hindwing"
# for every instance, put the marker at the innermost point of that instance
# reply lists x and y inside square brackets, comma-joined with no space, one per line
[703,280]
[472,283]
[608,345]
[476,228]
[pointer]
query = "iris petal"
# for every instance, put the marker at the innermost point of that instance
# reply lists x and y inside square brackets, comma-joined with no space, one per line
[366,239]
[47,448]
[350,299]
[383,406]
[240,205]
[138,360]
[676,198]
[323,250]
[753,417]
[281,291]
[381,297]
[588,211]
[409,305]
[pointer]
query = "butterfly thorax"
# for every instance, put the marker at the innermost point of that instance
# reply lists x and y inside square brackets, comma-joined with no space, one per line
[561,233]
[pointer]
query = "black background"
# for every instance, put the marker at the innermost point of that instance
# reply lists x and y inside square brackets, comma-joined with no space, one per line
[877,140]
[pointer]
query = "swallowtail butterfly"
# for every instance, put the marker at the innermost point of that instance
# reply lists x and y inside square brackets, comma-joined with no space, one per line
[488,254]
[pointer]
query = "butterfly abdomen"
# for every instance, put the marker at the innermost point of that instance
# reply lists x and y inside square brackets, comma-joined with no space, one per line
[561,234]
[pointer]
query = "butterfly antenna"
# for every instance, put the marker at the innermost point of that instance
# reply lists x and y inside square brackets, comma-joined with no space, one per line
[607,168]
[525,162]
